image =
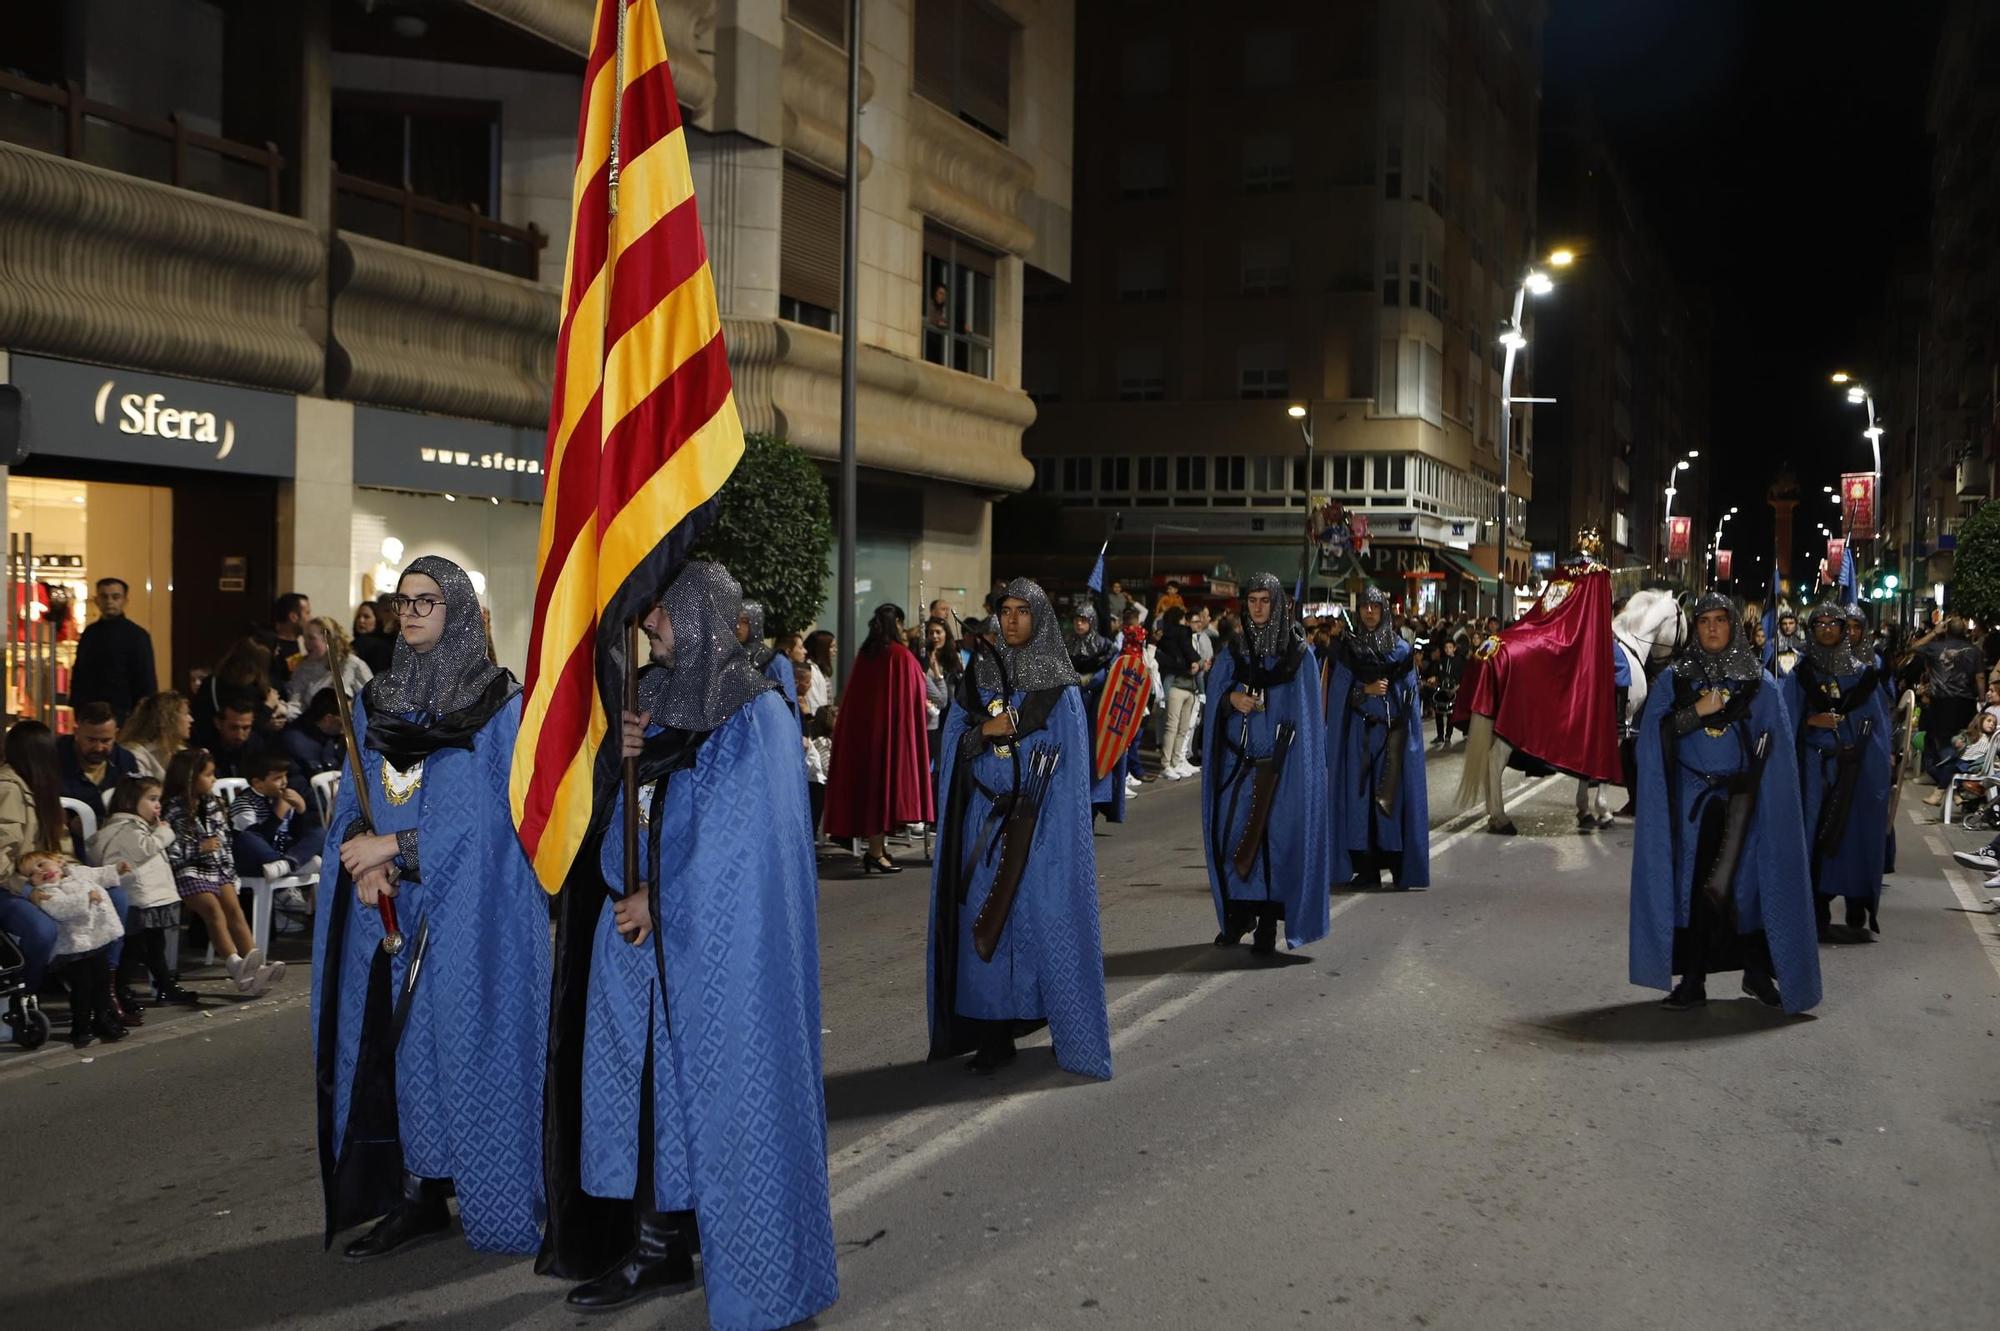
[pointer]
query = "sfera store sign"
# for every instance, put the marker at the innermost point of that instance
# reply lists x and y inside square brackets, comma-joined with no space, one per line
[407,450]
[94,412]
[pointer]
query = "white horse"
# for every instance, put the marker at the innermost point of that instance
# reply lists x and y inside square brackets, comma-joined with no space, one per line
[1649,630]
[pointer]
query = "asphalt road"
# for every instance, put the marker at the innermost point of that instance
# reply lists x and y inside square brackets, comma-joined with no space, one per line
[1454,1112]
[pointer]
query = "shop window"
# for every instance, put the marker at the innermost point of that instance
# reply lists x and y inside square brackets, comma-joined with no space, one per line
[964,62]
[812,216]
[958,303]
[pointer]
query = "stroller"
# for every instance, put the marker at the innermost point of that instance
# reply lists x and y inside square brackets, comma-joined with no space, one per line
[25,1018]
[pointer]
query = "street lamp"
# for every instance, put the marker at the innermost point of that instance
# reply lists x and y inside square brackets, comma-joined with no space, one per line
[1513,339]
[1302,413]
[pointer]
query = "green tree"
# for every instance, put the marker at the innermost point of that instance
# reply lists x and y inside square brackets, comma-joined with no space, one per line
[1975,574]
[774,531]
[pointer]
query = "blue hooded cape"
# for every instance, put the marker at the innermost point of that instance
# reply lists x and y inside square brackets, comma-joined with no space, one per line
[1854,869]
[1293,868]
[738,1105]
[780,671]
[464,1099]
[1050,962]
[1357,734]
[1771,884]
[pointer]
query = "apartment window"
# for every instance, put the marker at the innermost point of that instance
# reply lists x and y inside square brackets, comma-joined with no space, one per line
[1076,475]
[1153,474]
[1142,272]
[1267,163]
[1392,281]
[1416,284]
[1398,478]
[1434,290]
[1392,164]
[1266,267]
[964,61]
[1114,477]
[440,148]
[1041,374]
[1433,371]
[1142,170]
[1145,67]
[1262,372]
[1621,530]
[1267,59]
[827,18]
[809,249]
[1045,475]
[1434,182]
[1229,477]
[1142,374]
[1350,473]
[958,303]
[1191,475]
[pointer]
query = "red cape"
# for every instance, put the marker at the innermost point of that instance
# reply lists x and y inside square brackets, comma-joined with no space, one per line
[1549,688]
[881,776]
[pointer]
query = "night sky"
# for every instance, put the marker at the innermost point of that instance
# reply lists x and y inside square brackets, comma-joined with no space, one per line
[1780,154]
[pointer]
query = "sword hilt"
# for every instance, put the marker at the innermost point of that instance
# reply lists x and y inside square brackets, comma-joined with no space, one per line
[392,932]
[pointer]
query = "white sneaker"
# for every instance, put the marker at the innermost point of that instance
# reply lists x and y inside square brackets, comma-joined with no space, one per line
[258,981]
[1188,771]
[277,868]
[1977,859]
[272,973]
[1993,884]
[1172,774]
[310,867]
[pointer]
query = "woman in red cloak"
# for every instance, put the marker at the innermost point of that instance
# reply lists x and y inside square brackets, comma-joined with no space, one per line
[880,777]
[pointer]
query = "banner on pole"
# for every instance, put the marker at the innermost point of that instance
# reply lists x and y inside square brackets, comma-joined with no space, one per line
[1857,504]
[1836,555]
[1679,532]
[1724,562]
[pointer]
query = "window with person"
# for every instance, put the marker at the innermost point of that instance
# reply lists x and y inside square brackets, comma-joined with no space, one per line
[958,303]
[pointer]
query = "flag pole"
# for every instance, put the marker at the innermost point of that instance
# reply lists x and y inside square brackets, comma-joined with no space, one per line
[628,766]
[849,349]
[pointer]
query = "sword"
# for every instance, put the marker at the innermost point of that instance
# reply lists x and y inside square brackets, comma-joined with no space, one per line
[1263,792]
[385,906]
[1718,884]
[409,989]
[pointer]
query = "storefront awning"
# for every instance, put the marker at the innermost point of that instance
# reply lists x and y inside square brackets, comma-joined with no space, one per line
[1453,559]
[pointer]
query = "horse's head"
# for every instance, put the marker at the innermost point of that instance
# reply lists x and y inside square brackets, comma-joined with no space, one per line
[1653,622]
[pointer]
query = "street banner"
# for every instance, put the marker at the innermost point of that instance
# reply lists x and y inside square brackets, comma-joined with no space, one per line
[1679,533]
[1857,504]
[1836,555]
[1724,560]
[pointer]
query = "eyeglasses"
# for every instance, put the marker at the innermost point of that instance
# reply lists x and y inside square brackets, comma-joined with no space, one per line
[420,606]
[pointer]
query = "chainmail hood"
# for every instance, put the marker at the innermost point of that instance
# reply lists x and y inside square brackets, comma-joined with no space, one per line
[1837,660]
[1275,636]
[1379,643]
[1090,644]
[1042,664]
[1736,661]
[453,674]
[753,642]
[710,675]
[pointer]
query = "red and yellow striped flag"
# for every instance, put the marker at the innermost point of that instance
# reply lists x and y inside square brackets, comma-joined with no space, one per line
[643,428]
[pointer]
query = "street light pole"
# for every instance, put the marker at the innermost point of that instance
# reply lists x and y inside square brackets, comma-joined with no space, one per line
[1302,413]
[1153,547]
[1513,340]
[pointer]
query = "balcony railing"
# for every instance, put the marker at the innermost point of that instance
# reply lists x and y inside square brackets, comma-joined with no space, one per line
[455,232]
[72,125]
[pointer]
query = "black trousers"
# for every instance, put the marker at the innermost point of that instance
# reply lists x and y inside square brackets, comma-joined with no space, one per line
[1711,943]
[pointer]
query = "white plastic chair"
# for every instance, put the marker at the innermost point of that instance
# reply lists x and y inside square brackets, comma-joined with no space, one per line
[1983,773]
[85,815]
[326,790]
[262,890]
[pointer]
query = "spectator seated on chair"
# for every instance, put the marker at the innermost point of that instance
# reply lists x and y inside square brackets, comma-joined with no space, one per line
[91,760]
[136,834]
[273,830]
[313,742]
[1971,753]
[238,745]
[205,870]
[77,899]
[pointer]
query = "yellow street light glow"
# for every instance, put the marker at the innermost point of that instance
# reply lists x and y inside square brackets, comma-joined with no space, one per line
[1561,258]
[1296,412]
[1841,376]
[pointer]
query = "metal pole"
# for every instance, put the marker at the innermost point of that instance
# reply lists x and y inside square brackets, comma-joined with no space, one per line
[1506,451]
[849,350]
[1305,534]
[1916,442]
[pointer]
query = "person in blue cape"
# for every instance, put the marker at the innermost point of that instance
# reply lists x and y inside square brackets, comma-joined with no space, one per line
[774,667]
[1785,644]
[1014,938]
[429,1062]
[1836,701]
[1091,655]
[1865,650]
[686,1110]
[1379,805]
[1263,782]
[1719,880]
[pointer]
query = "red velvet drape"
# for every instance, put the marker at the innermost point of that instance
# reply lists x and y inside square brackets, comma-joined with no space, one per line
[1549,689]
[880,778]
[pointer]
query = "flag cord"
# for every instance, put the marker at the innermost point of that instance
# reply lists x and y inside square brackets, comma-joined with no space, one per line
[617,111]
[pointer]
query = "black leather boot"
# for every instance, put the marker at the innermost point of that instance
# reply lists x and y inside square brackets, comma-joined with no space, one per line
[996,1050]
[1265,941]
[660,1259]
[421,1214]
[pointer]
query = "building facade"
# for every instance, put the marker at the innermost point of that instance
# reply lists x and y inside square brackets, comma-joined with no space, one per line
[1623,351]
[1326,204]
[332,234]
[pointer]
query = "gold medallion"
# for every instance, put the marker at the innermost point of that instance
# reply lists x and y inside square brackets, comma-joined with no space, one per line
[399,785]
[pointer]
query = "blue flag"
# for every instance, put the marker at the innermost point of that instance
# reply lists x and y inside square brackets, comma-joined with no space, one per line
[1096,579]
[1849,581]
[1771,601]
